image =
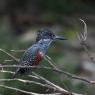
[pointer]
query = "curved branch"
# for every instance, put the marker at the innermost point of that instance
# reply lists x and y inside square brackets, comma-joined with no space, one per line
[82,38]
[85,30]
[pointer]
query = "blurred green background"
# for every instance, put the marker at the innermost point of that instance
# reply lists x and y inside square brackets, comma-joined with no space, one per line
[19,22]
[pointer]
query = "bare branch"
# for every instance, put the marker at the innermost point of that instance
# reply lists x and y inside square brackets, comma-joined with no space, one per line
[66,73]
[50,61]
[53,64]
[52,69]
[17,50]
[82,38]
[85,30]
[9,60]
[10,72]
[13,57]
[57,88]
[4,71]
[27,82]
[12,88]
[26,92]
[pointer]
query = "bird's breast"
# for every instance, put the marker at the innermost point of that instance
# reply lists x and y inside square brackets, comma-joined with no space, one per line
[38,57]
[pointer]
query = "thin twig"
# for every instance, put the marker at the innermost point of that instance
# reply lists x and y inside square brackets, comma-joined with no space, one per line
[53,69]
[13,57]
[26,92]
[4,71]
[26,81]
[57,88]
[17,50]
[67,73]
[82,38]
[85,30]
[9,60]
[10,72]
[12,88]
[50,61]
[53,85]
[88,53]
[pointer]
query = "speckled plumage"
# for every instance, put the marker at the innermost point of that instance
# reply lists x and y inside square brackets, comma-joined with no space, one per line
[33,55]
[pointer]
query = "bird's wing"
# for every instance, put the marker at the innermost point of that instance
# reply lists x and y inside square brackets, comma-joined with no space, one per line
[32,56]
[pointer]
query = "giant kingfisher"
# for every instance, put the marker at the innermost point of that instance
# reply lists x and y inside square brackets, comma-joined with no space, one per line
[33,55]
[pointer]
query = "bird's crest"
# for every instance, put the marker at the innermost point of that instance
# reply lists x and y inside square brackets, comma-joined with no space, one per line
[44,33]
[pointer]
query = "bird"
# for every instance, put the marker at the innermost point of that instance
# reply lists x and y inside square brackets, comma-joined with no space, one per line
[34,54]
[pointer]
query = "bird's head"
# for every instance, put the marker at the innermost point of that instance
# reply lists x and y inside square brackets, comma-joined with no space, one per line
[45,33]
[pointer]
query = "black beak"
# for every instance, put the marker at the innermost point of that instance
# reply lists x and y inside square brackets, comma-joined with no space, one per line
[60,38]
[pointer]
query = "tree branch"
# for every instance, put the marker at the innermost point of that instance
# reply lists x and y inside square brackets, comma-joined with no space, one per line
[26,92]
[57,88]
[82,37]
[13,57]
[27,82]
[48,82]
[48,68]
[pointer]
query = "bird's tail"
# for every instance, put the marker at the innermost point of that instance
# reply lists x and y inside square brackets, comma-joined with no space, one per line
[16,73]
[19,71]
